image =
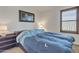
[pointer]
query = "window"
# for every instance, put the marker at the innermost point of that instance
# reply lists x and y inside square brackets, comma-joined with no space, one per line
[69,20]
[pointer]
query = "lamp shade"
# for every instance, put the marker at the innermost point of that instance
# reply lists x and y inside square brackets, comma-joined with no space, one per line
[3,28]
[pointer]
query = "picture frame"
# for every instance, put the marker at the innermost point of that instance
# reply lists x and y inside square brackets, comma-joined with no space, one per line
[26,16]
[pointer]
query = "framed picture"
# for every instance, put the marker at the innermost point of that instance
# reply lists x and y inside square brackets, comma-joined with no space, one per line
[26,16]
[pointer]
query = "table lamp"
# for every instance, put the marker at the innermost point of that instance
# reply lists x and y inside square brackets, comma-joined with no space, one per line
[3,29]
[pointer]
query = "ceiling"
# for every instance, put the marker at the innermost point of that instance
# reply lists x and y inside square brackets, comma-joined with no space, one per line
[43,8]
[49,8]
[37,8]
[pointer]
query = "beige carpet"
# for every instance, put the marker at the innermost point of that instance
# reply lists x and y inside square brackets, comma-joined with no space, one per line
[19,50]
[14,50]
[75,48]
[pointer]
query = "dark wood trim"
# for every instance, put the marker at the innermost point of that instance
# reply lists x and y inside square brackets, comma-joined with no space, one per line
[61,21]
[77,20]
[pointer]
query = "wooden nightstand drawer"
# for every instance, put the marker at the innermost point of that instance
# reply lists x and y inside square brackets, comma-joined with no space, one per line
[2,43]
[2,48]
[8,37]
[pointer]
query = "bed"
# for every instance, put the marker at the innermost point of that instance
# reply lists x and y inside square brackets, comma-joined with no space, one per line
[39,41]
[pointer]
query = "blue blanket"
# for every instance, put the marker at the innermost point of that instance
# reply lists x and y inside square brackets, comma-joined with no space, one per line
[60,35]
[45,42]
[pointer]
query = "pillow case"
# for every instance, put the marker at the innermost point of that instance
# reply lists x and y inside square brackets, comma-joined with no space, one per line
[36,31]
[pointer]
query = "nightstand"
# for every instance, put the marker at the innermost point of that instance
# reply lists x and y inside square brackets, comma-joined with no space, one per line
[3,34]
[7,41]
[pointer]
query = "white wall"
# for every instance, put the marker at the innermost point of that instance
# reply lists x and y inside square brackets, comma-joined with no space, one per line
[10,16]
[52,18]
